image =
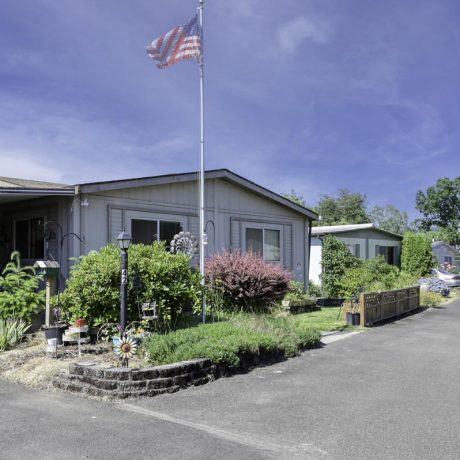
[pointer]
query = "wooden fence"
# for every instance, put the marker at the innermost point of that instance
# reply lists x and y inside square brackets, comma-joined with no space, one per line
[378,306]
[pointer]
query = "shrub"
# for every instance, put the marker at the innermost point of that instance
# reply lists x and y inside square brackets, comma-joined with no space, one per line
[11,332]
[247,282]
[430,299]
[314,289]
[19,297]
[336,259]
[434,285]
[93,290]
[226,342]
[370,275]
[296,292]
[416,256]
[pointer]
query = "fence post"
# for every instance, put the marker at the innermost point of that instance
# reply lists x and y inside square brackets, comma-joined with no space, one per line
[362,310]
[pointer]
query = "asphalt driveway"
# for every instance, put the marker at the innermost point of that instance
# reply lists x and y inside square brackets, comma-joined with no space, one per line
[391,392]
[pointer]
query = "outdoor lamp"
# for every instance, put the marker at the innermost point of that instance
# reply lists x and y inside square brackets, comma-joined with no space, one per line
[124,240]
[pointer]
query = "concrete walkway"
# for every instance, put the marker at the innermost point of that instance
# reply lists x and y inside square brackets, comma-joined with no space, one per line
[391,392]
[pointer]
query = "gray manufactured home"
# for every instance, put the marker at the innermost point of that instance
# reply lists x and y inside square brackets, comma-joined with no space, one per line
[45,220]
[363,240]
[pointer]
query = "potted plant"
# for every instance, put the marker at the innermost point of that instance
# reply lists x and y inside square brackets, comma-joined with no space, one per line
[57,329]
[352,315]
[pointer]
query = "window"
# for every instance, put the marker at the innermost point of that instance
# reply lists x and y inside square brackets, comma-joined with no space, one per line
[264,242]
[388,253]
[29,239]
[448,260]
[148,231]
[355,249]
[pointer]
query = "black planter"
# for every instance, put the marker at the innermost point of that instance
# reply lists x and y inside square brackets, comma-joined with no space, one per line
[54,332]
[329,302]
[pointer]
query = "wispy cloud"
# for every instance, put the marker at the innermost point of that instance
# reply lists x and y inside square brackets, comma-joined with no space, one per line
[293,33]
[28,165]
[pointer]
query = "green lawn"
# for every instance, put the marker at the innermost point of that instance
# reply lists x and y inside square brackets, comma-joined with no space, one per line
[325,320]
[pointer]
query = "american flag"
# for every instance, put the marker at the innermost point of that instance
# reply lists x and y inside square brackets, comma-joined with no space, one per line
[183,42]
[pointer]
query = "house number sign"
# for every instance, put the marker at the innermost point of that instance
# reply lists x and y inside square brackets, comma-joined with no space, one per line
[124,276]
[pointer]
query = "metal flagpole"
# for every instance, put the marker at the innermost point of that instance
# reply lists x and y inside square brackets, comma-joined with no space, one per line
[201,176]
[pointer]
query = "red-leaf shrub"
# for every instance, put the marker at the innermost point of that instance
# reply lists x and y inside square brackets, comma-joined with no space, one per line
[246,281]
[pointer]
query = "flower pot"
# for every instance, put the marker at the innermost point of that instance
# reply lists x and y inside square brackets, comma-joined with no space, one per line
[349,318]
[80,322]
[55,332]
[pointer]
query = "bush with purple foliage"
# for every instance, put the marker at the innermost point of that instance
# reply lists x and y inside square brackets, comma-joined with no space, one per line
[434,285]
[247,282]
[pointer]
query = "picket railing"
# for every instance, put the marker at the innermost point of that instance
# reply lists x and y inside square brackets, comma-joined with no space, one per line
[378,306]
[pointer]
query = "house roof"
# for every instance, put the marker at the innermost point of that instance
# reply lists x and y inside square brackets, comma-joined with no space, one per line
[325,230]
[14,189]
[435,244]
[224,174]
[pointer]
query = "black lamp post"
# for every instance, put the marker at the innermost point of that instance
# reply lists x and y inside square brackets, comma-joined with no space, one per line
[124,241]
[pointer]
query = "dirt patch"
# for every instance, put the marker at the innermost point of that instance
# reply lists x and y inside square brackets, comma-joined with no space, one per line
[30,365]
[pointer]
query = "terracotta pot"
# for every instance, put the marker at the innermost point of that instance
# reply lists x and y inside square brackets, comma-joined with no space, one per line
[80,322]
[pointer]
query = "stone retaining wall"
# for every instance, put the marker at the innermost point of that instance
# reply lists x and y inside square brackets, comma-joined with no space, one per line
[117,382]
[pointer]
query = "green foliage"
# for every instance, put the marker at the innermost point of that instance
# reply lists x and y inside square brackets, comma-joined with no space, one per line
[346,208]
[93,290]
[296,292]
[11,332]
[430,299]
[294,197]
[336,260]
[18,290]
[314,290]
[226,342]
[371,275]
[390,218]
[440,204]
[448,235]
[416,256]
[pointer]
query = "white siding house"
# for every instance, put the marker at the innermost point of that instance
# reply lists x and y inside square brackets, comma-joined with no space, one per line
[445,254]
[239,214]
[363,240]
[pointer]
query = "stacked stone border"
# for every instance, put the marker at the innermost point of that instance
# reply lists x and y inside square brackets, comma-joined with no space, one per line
[118,382]
[90,379]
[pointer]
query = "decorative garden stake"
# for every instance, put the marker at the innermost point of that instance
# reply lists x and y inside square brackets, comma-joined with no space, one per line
[125,349]
[184,243]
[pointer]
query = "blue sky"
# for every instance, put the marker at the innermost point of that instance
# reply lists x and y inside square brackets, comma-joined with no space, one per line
[310,95]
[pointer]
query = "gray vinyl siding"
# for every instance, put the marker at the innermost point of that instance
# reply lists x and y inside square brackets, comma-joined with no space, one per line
[227,206]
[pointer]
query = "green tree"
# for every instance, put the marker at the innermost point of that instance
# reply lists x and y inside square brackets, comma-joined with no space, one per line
[336,259]
[416,256]
[390,218]
[448,235]
[440,205]
[293,196]
[346,208]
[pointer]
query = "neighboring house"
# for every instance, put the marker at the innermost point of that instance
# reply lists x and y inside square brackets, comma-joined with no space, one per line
[363,240]
[446,254]
[240,215]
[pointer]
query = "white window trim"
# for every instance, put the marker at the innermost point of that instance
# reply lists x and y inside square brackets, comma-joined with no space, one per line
[263,226]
